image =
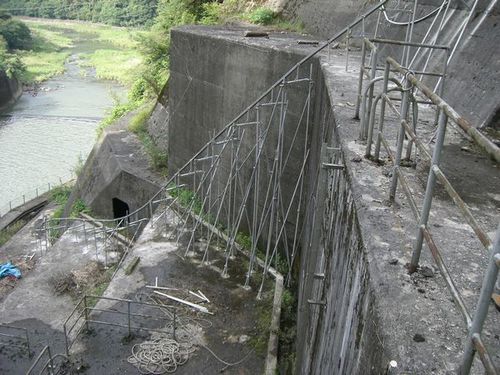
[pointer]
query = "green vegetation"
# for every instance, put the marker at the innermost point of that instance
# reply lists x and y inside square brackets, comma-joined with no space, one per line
[116,59]
[138,125]
[10,63]
[7,233]
[41,66]
[60,194]
[260,340]
[111,65]
[14,32]
[262,16]
[113,12]
[79,207]
[13,35]
[288,329]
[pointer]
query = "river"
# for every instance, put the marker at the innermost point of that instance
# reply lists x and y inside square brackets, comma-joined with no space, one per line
[43,136]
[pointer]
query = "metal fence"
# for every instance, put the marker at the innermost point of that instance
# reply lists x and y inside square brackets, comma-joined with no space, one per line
[51,364]
[408,84]
[19,335]
[128,314]
[35,193]
[202,172]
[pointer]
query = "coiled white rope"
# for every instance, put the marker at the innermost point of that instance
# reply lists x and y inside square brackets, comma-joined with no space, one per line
[160,355]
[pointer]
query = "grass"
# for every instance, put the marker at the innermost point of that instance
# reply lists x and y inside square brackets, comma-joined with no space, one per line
[122,37]
[40,66]
[138,125]
[7,233]
[113,65]
[53,41]
[61,194]
[263,323]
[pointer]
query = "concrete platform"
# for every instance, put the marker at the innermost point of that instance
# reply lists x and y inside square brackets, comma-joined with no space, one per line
[232,332]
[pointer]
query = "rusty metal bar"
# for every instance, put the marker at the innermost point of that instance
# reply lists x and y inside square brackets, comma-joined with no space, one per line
[464,209]
[484,355]
[420,72]
[412,44]
[399,148]
[429,190]
[404,181]
[487,146]
[421,147]
[482,308]
[446,274]
[38,359]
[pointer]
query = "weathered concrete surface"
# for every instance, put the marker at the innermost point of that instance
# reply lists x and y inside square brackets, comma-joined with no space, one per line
[10,90]
[375,311]
[23,210]
[473,79]
[235,310]
[240,69]
[117,167]
[158,124]
[33,303]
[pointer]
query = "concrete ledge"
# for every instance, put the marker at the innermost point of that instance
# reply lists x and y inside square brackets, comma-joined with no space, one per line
[21,211]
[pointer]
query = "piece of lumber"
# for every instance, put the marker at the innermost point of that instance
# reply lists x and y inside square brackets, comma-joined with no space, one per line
[191,304]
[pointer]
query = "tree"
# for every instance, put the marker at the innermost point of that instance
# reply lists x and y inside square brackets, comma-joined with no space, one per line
[16,34]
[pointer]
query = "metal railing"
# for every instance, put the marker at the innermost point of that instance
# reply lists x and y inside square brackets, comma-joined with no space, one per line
[15,333]
[364,99]
[200,172]
[192,175]
[34,193]
[84,315]
[407,85]
[49,366]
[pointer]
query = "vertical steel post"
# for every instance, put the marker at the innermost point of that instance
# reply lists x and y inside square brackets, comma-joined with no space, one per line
[28,346]
[382,111]
[431,182]
[360,79]
[347,49]
[399,147]
[66,340]
[374,57]
[86,313]
[482,306]
[51,361]
[128,319]
[174,328]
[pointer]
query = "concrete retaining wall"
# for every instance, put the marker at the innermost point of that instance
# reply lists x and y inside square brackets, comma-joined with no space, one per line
[10,90]
[339,337]
[214,76]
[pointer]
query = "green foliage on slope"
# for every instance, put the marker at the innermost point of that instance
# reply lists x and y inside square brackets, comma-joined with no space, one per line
[112,12]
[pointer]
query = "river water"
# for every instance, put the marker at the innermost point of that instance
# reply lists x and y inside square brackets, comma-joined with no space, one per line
[43,136]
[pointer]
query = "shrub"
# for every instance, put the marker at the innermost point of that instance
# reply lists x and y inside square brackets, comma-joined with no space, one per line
[79,207]
[61,194]
[262,16]
[16,34]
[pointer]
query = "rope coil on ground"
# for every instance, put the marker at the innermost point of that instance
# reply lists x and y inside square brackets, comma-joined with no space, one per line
[160,355]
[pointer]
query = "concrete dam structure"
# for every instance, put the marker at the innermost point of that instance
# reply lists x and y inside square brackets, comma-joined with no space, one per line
[357,173]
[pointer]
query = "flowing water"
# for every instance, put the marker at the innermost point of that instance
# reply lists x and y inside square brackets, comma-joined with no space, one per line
[43,136]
